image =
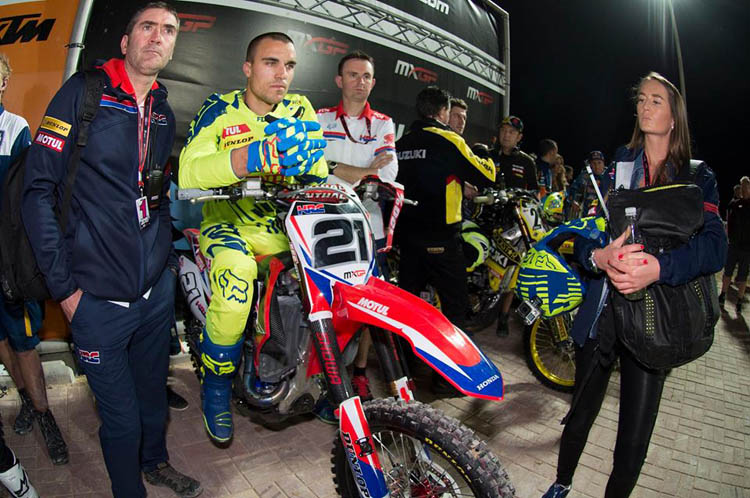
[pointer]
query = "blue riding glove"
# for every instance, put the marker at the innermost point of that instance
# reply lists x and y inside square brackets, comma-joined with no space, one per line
[263,157]
[297,152]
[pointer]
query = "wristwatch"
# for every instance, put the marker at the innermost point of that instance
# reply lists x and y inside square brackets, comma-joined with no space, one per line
[332,165]
[592,262]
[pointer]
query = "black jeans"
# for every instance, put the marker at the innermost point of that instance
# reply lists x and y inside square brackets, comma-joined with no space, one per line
[441,264]
[640,394]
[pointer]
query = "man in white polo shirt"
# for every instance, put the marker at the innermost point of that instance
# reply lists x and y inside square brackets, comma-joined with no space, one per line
[361,142]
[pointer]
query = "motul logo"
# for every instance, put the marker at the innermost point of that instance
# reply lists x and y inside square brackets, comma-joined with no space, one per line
[24,27]
[483,97]
[418,73]
[234,130]
[373,306]
[49,141]
[193,22]
[437,5]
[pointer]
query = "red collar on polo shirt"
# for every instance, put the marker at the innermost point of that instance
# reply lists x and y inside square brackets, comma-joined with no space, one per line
[366,112]
[115,69]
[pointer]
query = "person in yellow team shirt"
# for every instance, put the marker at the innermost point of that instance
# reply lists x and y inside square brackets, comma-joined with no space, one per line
[264,131]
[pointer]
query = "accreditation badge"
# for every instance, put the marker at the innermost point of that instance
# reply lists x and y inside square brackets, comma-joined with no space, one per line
[141,208]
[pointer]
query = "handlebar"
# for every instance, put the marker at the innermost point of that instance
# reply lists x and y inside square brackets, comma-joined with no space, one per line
[253,188]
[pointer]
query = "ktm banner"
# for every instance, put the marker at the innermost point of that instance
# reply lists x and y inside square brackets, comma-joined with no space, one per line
[214,35]
[33,35]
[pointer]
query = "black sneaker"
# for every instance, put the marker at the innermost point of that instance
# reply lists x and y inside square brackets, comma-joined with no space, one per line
[56,447]
[166,475]
[175,401]
[25,419]
[722,298]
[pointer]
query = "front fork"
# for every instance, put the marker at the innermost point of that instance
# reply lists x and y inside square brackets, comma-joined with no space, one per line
[354,430]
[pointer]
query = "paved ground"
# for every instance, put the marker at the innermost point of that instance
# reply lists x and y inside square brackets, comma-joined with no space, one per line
[700,448]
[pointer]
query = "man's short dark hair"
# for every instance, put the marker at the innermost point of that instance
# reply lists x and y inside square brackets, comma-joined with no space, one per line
[545,145]
[431,100]
[253,45]
[151,5]
[456,102]
[357,54]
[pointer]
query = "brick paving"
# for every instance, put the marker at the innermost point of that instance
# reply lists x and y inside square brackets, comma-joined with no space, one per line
[700,447]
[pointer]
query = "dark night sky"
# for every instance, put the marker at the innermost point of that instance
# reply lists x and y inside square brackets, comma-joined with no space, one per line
[573,63]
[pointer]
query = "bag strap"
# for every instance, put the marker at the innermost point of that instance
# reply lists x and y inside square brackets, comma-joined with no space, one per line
[92,95]
[623,174]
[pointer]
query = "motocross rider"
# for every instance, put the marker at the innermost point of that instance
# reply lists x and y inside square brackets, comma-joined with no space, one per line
[264,131]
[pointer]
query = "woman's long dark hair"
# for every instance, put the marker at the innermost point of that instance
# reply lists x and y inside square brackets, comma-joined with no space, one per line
[679,140]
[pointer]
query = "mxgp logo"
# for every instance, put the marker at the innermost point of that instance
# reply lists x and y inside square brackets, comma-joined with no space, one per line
[24,27]
[483,97]
[193,22]
[318,44]
[418,73]
[437,5]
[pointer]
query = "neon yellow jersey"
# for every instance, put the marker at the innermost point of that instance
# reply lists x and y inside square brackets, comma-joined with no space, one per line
[225,123]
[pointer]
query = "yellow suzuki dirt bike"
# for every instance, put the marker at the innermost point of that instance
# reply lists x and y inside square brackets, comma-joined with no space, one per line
[499,228]
[502,226]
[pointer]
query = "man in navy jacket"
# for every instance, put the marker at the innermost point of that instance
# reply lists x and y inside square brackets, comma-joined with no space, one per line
[110,269]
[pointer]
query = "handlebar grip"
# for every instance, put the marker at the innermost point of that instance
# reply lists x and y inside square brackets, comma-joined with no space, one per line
[411,202]
[185,194]
[484,199]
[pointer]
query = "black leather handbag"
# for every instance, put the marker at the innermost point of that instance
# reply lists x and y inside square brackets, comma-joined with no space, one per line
[671,325]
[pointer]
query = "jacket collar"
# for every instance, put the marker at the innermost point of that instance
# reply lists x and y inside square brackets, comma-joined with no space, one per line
[366,112]
[118,76]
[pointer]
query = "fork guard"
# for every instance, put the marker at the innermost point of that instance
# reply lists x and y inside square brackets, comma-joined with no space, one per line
[434,339]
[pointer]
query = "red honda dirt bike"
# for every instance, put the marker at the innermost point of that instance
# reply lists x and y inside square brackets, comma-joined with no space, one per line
[311,304]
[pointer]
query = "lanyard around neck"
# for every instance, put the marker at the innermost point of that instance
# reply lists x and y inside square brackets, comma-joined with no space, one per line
[349,135]
[144,133]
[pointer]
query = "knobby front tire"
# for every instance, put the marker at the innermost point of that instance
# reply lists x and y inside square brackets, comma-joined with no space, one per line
[425,453]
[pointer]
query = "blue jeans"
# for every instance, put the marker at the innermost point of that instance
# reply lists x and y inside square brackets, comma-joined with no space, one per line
[124,353]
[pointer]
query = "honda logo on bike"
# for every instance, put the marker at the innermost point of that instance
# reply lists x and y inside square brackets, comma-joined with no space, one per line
[373,306]
[483,97]
[487,382]
[409,70]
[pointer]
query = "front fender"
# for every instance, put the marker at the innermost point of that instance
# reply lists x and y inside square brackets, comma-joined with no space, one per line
[433,338]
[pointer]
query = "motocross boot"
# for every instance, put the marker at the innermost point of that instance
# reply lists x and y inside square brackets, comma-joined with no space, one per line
[16,481]
[219,366]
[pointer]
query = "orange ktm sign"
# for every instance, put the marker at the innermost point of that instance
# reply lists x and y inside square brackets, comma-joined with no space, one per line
[33,35]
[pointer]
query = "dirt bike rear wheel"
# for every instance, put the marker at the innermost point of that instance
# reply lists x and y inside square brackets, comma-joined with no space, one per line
[424,453]
[550,360]
[193,329]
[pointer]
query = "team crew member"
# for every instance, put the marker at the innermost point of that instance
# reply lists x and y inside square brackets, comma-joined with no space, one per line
[515,168]
[434,163]
[360,142]
[545,162]
[19,323]
[110,269]
[230,139]
[581,195]
[738,253]
[458,115]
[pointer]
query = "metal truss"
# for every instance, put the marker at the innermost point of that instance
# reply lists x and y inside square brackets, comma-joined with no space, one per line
[384,21]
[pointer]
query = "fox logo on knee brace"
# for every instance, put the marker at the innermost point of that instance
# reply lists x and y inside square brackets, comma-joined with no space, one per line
[233,288]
